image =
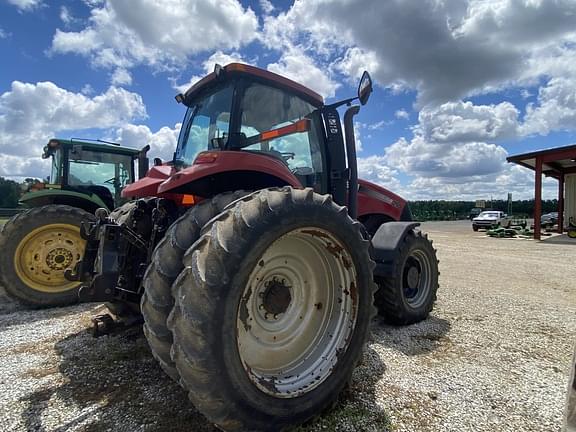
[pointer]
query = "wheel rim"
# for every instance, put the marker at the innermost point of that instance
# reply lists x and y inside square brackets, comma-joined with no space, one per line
[416,278]
[43,256]
[297,313]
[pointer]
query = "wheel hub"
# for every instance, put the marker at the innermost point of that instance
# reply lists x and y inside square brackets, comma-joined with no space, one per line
[298,313]
[413,277]
[59,259]
[276,298]
[45,253]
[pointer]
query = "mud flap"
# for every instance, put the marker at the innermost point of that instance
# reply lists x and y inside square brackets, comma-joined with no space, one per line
[385,245]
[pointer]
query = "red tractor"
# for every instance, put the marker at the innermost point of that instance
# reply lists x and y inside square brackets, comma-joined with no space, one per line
[256,255]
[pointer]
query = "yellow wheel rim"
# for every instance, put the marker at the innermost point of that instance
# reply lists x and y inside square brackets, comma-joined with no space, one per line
[45,253]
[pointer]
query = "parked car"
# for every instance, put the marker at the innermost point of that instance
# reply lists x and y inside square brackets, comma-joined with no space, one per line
[549,219]
[490,219]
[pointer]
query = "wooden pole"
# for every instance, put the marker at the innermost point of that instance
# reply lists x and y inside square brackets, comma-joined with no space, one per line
[538,198]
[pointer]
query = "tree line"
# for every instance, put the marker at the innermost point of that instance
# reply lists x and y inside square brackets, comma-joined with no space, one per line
[454,210]
[11,191]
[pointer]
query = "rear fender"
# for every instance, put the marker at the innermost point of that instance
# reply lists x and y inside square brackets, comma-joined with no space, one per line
[64,197]
[386,243]
[216,172]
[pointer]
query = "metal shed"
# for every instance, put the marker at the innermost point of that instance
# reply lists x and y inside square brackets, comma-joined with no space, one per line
[559,163]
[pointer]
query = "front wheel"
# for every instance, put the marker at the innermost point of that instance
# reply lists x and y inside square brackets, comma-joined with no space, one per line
[37,247]
[272,310]
[408,297]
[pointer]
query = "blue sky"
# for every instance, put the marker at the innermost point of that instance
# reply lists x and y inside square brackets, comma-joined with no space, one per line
[460,84]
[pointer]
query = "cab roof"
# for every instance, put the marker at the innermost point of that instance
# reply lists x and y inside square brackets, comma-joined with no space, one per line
[96,145]
[251,72]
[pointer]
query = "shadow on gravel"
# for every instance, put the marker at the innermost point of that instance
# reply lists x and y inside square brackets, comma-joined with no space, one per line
[357,408]
[113,383]
[416,339]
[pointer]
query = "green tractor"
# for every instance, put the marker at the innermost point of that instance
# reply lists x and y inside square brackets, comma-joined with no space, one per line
[39,244]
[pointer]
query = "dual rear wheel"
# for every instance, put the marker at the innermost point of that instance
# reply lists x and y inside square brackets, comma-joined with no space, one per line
[269,310]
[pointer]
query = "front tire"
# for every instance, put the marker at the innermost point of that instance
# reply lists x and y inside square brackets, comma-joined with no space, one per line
[409,296]
[38,246]
[272,310]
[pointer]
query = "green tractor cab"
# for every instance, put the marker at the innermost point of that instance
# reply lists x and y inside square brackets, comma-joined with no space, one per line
[42,242]
[87,174]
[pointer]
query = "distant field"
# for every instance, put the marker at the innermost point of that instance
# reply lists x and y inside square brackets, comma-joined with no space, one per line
[2,221]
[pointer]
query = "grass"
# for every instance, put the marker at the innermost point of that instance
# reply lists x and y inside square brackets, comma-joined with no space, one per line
[3,221]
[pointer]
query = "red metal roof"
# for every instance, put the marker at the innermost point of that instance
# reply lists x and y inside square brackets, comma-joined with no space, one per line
[555,161]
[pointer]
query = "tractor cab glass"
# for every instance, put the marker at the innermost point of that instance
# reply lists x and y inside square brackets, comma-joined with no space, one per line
[265,112]
[104,174]
[205,126]
[56,170]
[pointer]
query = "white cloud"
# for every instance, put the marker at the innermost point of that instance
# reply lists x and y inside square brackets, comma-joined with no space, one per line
[162,142]
[158,33]
[466,122]
[445,50]
[296,65]
[376,170]
[355,62]
[402,114]
[121,77]
[555,110]
[208,66]
[267,7]
[26,5]
[3,34]
[30,114]
[65,15]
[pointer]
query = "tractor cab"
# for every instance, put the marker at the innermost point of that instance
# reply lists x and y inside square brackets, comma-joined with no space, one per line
[262,130]
[237,110]
[94,173]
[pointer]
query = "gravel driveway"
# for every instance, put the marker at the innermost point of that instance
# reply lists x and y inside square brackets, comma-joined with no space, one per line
[493,356]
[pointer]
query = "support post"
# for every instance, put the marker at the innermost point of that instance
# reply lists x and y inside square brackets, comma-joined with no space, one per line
[561,203]
[538,198]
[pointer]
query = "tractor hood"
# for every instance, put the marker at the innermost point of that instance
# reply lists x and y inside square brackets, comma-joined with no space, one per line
[148,186]
[374,199]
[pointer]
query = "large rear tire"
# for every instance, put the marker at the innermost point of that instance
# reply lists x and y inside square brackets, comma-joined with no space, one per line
[38,246]
[272,310]
[409,296]
[165,266]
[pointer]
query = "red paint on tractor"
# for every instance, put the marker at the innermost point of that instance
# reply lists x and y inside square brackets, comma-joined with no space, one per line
[227,162]
[148,186]
[374,199]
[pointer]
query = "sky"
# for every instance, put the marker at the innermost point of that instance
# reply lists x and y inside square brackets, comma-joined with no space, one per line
[459,85]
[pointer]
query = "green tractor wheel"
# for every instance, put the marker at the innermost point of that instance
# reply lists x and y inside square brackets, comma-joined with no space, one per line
[38,246]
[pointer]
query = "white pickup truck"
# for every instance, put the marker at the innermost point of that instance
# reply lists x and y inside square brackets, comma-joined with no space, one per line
[490,219]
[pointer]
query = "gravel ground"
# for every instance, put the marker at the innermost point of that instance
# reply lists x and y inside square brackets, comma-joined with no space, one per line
[494,356]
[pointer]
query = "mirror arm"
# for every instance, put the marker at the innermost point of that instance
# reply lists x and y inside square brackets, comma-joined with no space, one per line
[342,102]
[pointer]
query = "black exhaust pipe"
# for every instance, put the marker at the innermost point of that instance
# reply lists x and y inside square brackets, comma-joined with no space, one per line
[143,163]
[352,162]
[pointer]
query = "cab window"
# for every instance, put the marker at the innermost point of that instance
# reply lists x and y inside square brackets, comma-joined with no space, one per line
[267,108]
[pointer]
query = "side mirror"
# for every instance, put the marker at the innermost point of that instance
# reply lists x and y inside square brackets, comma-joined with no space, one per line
[364,88]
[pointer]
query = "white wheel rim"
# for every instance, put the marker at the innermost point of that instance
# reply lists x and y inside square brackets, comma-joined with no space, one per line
[298,312]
